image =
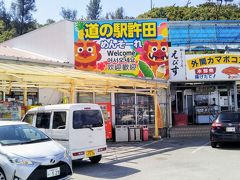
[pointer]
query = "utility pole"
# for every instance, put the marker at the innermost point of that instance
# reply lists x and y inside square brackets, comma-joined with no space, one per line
[218,8]
[188,3]
[151,4]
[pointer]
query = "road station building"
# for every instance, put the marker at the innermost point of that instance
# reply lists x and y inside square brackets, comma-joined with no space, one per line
[142,72]
[89,62]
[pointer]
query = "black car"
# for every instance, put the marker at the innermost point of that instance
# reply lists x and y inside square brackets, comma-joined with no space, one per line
[226,128]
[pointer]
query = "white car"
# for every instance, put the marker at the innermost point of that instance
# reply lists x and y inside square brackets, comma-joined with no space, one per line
[78,127]
[28,153]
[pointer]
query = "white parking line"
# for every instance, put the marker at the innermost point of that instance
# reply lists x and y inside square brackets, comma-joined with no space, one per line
[154,142]
[117,153]
[201,147]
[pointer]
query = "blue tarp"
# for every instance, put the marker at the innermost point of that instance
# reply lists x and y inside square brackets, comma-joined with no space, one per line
[190,33]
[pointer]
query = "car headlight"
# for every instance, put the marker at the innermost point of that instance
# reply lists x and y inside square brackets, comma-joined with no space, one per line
[20,161]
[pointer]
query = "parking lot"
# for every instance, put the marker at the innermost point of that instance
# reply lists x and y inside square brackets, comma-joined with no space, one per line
[168,159]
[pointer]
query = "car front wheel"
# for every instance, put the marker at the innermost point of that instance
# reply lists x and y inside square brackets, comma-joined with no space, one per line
[95,159]
[2,175]
[213,144]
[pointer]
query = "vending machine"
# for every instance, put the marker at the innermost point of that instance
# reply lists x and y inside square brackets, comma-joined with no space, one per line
[224,102]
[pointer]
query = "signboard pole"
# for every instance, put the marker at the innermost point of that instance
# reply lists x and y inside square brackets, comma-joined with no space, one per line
[136,116]
[25,95]
[72,94]
[156,114]
[235,97]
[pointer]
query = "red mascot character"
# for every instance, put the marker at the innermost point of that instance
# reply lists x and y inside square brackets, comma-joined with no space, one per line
[87,53]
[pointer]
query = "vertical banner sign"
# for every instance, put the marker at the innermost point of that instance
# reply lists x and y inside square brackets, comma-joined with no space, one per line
[177,63]
[136,48]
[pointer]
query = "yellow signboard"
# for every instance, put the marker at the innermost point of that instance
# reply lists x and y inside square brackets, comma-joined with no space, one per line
[214,67]
[212,61]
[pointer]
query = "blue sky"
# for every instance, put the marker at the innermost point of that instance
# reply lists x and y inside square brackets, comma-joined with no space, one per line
[50,9]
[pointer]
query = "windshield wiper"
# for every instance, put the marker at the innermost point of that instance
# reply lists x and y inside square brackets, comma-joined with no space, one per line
[88,126]
[99,124]
[36,141]
[10,144]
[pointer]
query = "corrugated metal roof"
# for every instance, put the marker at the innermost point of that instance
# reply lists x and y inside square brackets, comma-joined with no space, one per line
[19,54]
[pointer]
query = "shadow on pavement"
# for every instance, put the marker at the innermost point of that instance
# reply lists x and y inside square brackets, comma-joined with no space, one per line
[124,152]
[230,146]
[129,152]
[102,170]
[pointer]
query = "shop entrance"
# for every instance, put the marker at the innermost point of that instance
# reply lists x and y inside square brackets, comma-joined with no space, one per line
[179,101]
[200,103]
[190,108]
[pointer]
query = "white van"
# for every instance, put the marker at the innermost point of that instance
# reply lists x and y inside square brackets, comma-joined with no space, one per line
[78,127]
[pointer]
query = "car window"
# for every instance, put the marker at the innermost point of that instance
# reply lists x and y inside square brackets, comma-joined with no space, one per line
[21,134]
[87,119]
[229,117]
[28,118]
[59,120]
[43,120]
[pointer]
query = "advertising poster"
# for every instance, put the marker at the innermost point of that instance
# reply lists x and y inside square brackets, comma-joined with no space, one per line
[177,64]
[137,48]
[10,111]
[214,67]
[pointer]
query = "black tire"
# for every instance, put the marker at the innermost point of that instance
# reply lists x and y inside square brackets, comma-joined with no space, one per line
[213,144]
[2,175]
[95,159]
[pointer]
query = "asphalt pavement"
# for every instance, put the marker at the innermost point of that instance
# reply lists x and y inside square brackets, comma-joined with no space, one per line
[167,159]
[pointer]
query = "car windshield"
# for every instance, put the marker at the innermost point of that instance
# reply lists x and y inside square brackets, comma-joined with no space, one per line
[229,117]
[21,134]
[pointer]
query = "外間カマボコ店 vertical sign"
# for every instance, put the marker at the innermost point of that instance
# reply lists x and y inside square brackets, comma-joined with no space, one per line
[129,47]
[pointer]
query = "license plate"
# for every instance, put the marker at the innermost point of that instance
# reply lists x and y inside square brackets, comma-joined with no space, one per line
[230,129]
[90,153]
[53,172]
